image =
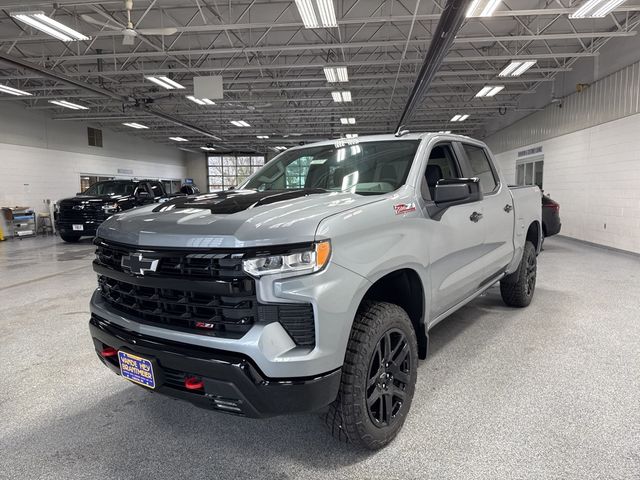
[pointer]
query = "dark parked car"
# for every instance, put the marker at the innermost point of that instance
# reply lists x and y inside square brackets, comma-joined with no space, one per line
[550,216]
[81,215]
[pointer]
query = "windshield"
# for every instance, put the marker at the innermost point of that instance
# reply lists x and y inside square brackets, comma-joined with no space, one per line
[368,168]
[110,188]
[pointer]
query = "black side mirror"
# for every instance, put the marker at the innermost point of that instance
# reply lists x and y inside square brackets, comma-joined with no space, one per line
[454,191]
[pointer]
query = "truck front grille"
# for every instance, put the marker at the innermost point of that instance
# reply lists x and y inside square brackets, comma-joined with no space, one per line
[206,293]
[69,214]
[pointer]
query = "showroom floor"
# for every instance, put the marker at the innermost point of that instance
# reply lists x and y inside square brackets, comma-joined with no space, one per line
[550,391]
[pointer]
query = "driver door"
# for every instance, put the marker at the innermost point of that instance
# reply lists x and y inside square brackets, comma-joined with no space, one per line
[455,241]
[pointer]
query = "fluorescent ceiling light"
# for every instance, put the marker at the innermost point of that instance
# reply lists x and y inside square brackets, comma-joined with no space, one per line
[40,21]
[14,91]
[281,148]
[207,149]
[65,104]
[240,123]
[324,9]
[340,97]
[336,74]
[200,101]
[490,90]
[482,8]
[262,137]
[459,118]
[463,118]
[327,13]
[517,68]
[348,121]
[351,135]
[444,131]
[596,8]
[135,125]
[178,139]
[165,82]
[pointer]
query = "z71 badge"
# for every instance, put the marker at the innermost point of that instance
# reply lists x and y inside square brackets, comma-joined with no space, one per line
[404,208]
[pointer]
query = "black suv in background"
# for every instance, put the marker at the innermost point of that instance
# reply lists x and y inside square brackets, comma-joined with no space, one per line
[551,223]
[81,215]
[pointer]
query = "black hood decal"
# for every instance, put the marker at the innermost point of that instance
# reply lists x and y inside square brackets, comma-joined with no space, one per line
[233,201]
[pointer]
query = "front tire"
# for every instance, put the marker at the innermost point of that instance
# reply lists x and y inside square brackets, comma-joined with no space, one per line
[517,289]
[378,377]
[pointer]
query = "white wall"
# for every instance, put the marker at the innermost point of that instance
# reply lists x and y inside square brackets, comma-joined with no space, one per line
[595,175]
[41,158]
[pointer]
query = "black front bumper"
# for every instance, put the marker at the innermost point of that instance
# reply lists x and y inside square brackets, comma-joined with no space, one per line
[232,383]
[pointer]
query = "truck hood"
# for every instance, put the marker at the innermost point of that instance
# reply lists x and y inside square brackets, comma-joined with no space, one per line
[231,219]
[85,199]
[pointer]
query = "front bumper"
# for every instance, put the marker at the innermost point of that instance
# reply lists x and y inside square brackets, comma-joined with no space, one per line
[232,382]
[89,228]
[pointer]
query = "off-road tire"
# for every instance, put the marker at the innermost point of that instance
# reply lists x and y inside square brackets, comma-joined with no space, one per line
[69,238]
[518,288]
[349,418]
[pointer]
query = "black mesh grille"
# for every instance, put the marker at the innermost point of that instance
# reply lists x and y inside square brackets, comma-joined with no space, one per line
[73,212]
[205,293]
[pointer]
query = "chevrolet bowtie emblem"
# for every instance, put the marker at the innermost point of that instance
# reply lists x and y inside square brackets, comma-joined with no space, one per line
[137,264]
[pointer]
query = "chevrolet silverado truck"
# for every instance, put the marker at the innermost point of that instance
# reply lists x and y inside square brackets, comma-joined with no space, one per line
[314,284]
[80,216]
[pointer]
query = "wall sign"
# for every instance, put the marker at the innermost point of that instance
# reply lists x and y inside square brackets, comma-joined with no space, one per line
[125,171]
[531,151]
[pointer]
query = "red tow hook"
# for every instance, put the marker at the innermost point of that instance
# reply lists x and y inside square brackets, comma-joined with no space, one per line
[108,352]
[193,383]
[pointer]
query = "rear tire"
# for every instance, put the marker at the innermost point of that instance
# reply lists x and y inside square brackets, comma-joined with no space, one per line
[378,377]
[69,238]
[518,288]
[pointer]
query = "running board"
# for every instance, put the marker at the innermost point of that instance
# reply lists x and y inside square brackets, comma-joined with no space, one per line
[483,287]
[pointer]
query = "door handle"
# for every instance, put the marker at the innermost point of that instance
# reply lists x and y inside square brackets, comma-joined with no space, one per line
[475,217]
[508,208]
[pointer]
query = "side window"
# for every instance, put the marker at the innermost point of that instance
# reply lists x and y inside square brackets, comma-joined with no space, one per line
[156,187]
[481,167]
[441,165]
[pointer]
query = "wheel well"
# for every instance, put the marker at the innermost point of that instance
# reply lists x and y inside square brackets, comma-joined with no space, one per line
[533,234]
[404,288]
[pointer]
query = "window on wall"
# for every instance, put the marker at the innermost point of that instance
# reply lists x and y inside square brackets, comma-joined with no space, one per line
[530,172]
[226,171]
[87,180]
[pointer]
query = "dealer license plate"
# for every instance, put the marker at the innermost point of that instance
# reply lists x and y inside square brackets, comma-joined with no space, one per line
[137,369]
[78,227]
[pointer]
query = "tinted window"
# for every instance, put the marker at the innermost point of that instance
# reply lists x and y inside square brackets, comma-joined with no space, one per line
[441,165]
[157,189]
[109,188]
[481,168]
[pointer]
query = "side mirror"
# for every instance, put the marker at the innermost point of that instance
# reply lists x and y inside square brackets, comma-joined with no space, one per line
[454,191]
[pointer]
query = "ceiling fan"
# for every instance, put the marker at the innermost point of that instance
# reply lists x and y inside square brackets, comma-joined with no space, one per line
[130,33]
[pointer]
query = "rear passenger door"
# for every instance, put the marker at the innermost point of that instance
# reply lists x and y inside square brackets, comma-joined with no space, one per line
[455,242]
[497,216]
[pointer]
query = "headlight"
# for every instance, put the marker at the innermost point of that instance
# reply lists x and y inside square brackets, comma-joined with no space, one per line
[306,261]
[111,207]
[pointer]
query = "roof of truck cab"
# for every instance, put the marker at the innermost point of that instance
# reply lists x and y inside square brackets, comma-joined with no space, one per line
[384,137]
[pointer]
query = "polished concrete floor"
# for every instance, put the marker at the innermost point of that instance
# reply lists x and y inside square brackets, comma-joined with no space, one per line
[550,391]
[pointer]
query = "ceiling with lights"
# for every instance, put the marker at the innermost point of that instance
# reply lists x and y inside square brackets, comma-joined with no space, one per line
[292,71]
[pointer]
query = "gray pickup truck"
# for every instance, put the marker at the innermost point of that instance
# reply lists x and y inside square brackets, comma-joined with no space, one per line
[314,285]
